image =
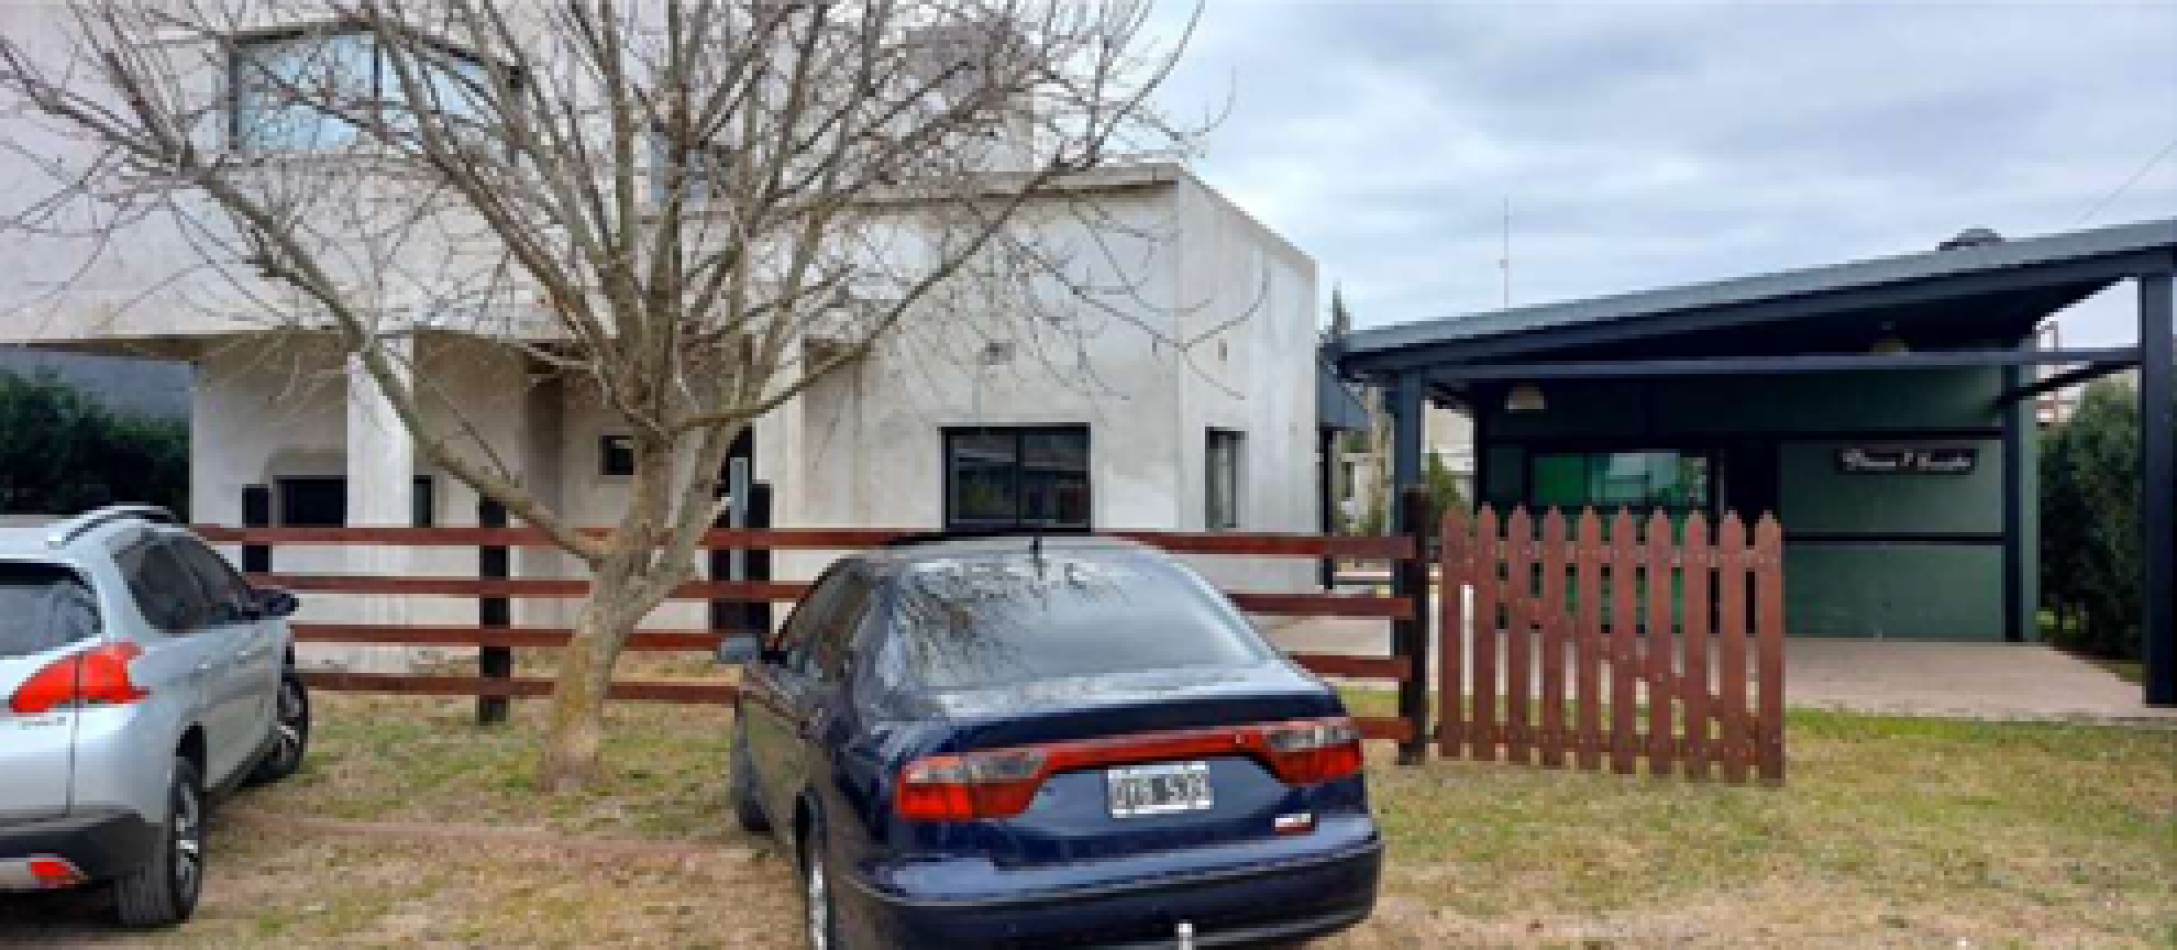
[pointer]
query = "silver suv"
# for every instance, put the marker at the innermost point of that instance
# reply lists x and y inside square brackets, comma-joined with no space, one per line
[141,676]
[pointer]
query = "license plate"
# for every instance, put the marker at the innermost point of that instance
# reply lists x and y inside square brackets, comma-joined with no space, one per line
[1160,789]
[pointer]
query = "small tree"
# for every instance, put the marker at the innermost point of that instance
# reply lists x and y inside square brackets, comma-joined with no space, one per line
[693,208]
[1443,486]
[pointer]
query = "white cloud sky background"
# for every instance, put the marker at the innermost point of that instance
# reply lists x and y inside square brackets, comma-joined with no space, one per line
[1653,144]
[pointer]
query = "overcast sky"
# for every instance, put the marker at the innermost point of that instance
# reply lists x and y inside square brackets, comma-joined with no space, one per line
[1651,144]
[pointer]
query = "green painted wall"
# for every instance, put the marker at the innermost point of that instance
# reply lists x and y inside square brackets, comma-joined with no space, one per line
[1936,588]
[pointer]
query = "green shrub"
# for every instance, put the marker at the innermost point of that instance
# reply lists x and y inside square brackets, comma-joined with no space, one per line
[62,452]
[2090,556]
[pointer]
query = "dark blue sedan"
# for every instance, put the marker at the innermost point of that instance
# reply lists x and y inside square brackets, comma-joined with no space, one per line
[1047,742]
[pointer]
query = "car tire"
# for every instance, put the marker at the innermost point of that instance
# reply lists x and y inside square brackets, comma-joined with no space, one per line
[742,785]
[290,732]
[164,891]
[820,913]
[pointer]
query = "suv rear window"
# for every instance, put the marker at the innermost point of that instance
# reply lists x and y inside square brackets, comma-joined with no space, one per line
[43,606]
[982,622]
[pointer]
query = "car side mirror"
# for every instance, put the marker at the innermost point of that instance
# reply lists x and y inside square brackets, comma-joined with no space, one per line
[740,650]
[275,603]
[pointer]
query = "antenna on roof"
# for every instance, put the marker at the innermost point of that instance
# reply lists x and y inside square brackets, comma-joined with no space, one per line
[1504,262]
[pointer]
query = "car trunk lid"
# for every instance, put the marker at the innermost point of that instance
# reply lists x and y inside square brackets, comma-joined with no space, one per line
[47,615]
[1195,781]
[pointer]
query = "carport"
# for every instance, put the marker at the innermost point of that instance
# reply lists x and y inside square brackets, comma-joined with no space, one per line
[1882,408]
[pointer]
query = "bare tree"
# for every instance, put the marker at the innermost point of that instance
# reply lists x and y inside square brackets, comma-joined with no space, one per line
[696,208]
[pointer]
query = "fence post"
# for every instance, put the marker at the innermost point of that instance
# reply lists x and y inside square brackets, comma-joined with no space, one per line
[256,513]
[1410,637]
[492,662]
[756,561]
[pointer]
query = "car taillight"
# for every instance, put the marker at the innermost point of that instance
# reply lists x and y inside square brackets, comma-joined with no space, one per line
[1000,783]
[94,677]
[54,873]
[1308,753]
[971,787]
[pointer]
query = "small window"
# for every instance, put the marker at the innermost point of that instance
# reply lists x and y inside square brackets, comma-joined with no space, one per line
[813,614]
[1003,479]
[165,592]
[43,607]
[424,503]
[616,456]
[835,640]
[227,595]
[313,502]
[1222,498]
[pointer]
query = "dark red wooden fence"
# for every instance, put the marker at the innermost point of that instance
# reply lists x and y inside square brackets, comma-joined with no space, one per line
[1408,728]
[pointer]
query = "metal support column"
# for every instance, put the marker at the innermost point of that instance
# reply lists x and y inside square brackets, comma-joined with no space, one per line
[2014,501]
[2158,488]
[1407,425]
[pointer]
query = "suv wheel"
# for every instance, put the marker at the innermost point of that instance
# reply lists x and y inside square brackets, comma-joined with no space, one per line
[290,732]
[164,890]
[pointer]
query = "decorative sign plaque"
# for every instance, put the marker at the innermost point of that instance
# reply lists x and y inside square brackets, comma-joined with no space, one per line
[1927,459]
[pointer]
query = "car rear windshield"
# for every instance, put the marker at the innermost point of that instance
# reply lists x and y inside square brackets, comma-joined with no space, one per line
[983,622]
[43,606]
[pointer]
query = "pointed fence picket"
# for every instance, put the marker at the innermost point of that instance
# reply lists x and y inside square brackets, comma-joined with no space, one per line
[1619,643]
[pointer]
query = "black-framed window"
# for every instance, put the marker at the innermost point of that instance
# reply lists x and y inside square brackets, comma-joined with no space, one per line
[423,503]
[313,502]
[616,456]
[1223,458]
[1017,477]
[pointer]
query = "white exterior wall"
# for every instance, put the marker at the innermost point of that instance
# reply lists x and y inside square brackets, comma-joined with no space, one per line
[865,449]
[1249,300]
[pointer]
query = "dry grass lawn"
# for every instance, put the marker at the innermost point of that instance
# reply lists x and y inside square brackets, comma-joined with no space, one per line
[410,827]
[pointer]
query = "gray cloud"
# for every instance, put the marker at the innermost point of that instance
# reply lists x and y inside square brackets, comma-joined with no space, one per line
[1644,145]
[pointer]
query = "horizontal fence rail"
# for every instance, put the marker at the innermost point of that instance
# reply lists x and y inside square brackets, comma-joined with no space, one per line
[1591,646]
[494,637]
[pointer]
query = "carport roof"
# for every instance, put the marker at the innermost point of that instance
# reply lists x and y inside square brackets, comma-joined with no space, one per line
[2061,267]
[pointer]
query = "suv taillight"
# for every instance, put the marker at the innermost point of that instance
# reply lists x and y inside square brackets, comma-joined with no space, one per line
[1000,783]
[94,677]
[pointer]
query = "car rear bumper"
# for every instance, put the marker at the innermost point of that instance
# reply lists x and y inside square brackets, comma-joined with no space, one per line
[100,844]
[1272,902]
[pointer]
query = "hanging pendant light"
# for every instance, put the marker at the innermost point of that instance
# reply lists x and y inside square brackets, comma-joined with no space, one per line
[1889,343]
[1525,399]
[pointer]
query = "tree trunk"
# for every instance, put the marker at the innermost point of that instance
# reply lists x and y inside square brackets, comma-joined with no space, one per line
[574,735]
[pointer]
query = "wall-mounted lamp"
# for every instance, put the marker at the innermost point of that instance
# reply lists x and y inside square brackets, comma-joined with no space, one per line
[1525,399]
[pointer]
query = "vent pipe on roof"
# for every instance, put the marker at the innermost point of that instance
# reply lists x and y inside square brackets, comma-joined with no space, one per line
[1971,237]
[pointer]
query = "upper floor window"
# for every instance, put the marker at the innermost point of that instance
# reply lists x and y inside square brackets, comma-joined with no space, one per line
[307,91]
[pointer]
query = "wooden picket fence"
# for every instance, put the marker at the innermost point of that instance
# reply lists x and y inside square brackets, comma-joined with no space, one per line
[1665,645]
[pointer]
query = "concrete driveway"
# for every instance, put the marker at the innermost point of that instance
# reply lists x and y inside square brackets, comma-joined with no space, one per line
[1974,680]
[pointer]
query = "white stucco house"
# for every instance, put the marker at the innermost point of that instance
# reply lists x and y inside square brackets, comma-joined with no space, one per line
[1218,435]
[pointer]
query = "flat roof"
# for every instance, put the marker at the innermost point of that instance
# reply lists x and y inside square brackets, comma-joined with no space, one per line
[2066,266]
